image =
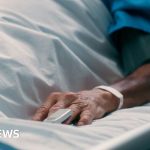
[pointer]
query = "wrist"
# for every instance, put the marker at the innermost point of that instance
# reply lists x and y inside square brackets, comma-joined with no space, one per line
[114,93]
[110,102]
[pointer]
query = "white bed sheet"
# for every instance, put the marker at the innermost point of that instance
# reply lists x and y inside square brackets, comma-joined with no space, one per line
[49,136]
[52,45]
[38,39]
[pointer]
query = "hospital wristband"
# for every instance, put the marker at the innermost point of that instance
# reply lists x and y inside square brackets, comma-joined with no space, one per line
[114,92]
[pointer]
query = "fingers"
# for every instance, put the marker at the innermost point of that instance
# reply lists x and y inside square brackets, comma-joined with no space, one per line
[83,105]
[64,101]
[54,102]
[43,110]
[77,107]
[88,115]
[75,112]
[86,118]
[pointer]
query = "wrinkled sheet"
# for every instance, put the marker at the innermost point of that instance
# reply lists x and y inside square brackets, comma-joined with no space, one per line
[57,45]
[49,136]
[52,46]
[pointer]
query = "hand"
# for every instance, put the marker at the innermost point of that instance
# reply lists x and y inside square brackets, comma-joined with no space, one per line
[87,105]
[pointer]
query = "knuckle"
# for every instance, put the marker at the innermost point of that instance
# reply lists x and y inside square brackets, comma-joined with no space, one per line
[74,109]
[85,120]
[53,109]
[42,109]
[70,95]
[59,105]
[89,115]
[77,107]
[83,105]
[54,95]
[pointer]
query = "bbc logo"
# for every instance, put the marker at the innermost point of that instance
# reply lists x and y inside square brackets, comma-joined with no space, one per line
[11,134]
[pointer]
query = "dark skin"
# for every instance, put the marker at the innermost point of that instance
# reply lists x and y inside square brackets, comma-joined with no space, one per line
[95,103]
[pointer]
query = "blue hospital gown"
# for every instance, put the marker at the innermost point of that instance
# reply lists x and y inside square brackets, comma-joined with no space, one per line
[129,13]
[133,14]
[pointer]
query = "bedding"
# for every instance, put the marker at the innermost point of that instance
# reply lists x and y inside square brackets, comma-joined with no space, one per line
[52,46]
[57,45]
[48,136]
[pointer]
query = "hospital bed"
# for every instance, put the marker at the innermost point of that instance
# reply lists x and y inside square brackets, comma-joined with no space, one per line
[135,139]
[48,46]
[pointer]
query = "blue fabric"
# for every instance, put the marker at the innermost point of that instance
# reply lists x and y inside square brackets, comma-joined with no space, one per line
[132,14]
[129,13]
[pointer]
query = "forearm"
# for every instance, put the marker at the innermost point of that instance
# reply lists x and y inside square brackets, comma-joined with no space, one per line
[135,87]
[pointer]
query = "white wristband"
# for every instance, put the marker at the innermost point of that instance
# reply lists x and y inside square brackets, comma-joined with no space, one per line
[114,92]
